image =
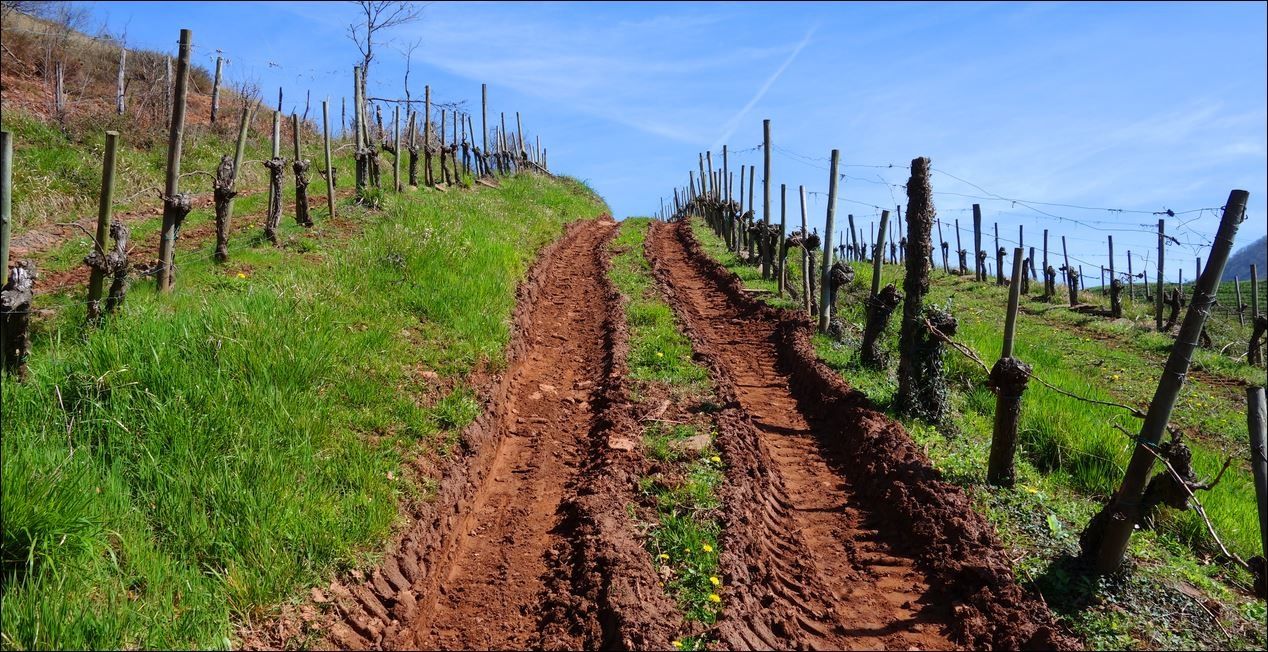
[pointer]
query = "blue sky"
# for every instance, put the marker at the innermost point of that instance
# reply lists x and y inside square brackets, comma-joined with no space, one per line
[1133,106]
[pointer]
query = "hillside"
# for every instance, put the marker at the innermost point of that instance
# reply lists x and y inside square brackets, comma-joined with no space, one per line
[1255,253]
[238,442]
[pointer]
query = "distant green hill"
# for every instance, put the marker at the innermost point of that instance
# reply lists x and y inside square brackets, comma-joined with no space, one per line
[1256,253]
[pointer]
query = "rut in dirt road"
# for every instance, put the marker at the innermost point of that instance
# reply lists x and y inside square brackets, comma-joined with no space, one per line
[477,568]
[827,547]
[491,595]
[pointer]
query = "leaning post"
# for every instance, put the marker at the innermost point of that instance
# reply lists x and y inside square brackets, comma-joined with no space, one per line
[173,212]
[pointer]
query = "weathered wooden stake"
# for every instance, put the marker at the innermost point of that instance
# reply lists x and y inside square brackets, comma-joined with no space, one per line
[999,258]
[1131,279]
[428,177]
[224,186]
[825,287]
[396,143]
[1107,535]
[300,166]
[330,173]
[854,243]
[1158,298]
[362,171]
[105,204]
[276,166]
[59,94]
[119,81]
[1257,424]
[876,260]
[1072,278]
[1254,291]
[977,243]
[484,118]
[215,91]
[805,257]
[1008,381]
[6,201]
[768,255]
[781,270]
[174,209]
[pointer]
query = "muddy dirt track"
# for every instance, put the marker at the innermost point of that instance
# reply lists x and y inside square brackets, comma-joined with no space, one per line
[837,534]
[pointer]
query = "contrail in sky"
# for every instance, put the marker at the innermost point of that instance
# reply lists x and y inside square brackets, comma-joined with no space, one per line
[734,123]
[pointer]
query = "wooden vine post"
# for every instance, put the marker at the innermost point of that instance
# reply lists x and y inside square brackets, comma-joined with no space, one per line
[396,143]
[768,255]
[1257,423]
[428,178]
[330,173]
[276,166]
[119,81]
[484,122]
[1072,277]
[1158,298]
[361,172]
[1008,380]
[6,201]
[174,209]
[881,305]
[1105,539]
[215,91]
[805,257]
[781,270]
[825,286]
[224,186]
[97,275]
[978,254]
[300,166]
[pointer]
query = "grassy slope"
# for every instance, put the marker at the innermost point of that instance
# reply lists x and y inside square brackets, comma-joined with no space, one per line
[682,490]
[57,175]
[1071,458]
[206,455]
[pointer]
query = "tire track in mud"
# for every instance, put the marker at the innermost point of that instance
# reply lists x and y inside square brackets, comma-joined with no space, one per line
[481,565]
[838,532]
[490,594]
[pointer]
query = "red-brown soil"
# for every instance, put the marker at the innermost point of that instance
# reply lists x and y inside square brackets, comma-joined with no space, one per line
[838,533]
[488,595]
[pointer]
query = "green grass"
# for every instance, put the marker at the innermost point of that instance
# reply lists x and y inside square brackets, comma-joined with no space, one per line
[1071,457]
[209,454]
[57,175]
[682,489]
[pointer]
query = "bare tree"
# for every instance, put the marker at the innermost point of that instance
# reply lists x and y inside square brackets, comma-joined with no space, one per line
[379,15]
[409,58]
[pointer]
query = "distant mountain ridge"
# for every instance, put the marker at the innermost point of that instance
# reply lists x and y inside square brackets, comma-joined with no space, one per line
[1255,253]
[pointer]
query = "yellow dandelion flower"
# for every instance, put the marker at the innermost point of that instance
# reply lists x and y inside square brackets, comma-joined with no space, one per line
[715,581]
[707,548]
[663,556]
[661,355]
[241,275]
[714,597]
[716,459]
[677,644]
[1114,377]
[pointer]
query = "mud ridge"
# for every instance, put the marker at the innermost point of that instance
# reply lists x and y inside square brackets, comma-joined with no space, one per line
[813,465]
